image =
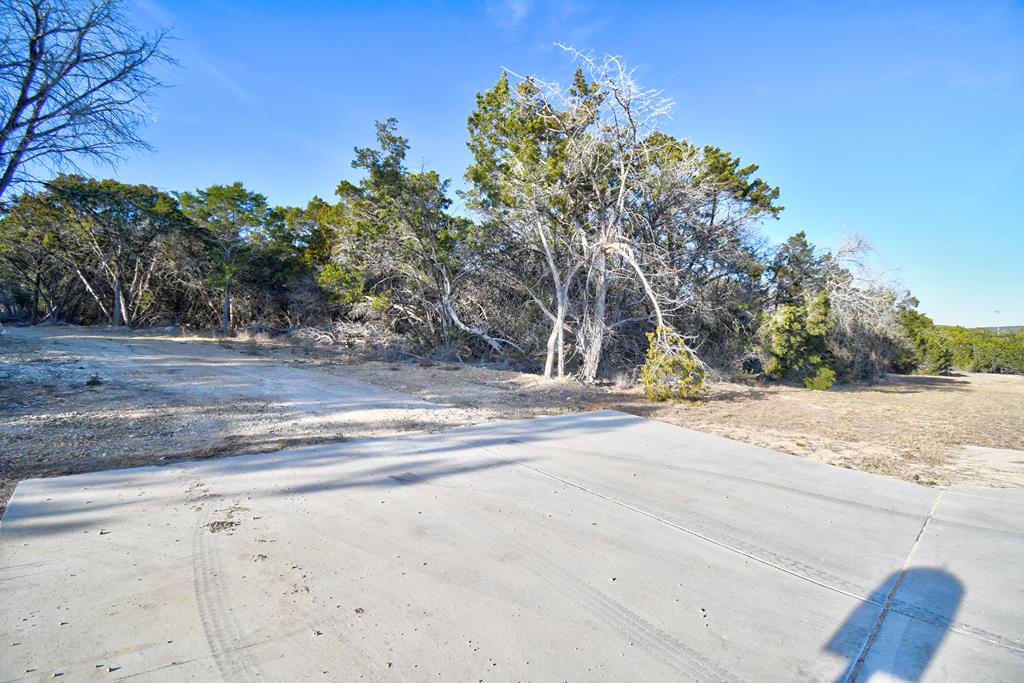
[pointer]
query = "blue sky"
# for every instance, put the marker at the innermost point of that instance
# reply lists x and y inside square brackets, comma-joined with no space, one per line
[903,122]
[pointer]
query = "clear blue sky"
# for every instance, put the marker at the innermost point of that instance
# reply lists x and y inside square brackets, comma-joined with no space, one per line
[901,121]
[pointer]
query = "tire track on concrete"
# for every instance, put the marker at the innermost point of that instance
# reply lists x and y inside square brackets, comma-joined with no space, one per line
[641,632]
[222,632]
[636,629]
[675,525]
[789,567]
[727,535]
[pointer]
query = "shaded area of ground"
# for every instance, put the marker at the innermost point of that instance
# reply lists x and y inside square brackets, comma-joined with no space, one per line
[83,399]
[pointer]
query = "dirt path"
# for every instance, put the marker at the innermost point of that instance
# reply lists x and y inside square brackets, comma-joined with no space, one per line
[79,400]
[82,399]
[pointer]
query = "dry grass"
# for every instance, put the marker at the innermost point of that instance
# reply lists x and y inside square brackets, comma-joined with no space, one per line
[913,428]
[910,427]
[74,400]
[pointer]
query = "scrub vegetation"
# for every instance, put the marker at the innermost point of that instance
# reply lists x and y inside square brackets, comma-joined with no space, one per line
[592,244]
[80,399]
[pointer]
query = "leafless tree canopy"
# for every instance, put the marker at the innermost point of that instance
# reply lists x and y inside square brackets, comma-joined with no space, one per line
[862,310]
[74,78]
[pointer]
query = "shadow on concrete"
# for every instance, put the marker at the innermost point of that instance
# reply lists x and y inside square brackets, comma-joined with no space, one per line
[384,462]
[304,471]
[900,628]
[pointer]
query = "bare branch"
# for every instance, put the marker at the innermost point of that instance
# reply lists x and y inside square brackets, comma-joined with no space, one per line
[75,77]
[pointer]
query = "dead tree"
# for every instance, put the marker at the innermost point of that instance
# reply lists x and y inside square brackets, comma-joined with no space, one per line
[74,79]
[865,333]
[610,159]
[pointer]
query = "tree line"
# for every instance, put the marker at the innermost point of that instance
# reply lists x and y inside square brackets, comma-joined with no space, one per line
[593,243]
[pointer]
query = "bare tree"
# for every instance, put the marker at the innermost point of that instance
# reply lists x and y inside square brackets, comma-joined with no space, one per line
[553,238]
[865,333]
[565,173]
[534,208]
[611,158]
[74,79]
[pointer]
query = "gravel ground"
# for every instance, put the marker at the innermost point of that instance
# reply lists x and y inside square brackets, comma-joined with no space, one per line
[81,399]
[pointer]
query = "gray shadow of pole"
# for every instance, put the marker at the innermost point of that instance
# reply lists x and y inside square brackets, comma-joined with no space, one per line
[900,628]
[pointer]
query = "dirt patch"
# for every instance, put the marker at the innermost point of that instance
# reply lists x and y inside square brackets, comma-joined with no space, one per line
[911,427]
[222,525]
[914,428]
[83,399]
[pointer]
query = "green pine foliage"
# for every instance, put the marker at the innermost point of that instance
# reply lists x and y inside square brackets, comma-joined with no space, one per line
[937,357]
[822,380]
[671,371]
[796,341]
[924,348]
[983,350]
[796,270]
[937,349]
[916,330]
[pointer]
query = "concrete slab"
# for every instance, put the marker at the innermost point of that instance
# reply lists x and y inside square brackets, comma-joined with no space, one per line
[518,551]
[964,577]
[908,649]
[840,527]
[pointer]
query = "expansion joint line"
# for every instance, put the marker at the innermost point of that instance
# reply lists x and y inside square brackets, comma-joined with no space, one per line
[676,525]
[876,628]
[887,605]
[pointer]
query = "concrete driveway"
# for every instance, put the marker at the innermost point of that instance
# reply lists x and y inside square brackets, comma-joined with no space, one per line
[594,546]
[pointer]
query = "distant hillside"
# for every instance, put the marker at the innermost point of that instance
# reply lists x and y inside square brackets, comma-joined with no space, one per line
[1003,328]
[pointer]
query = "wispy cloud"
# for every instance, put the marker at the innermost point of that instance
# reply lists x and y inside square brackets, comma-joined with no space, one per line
[977,49]
[509,14]
[189,54]
[229,82]
[155,12]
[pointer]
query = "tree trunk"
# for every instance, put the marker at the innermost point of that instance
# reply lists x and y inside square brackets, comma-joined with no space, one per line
[225,320]
[126,314]
[549,362]
[627,253]
[595,325]
[556,346]
[93,294]
[35,301]
[561,350]
[5,295]
[118,316]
